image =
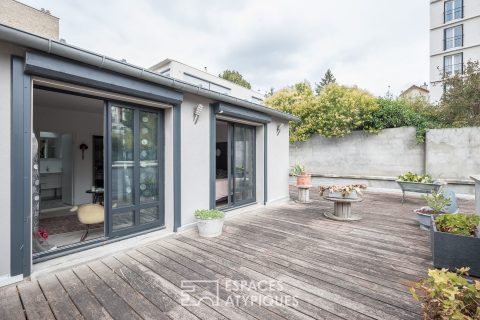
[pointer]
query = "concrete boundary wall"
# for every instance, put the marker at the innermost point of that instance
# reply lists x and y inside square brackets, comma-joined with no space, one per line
[452,155]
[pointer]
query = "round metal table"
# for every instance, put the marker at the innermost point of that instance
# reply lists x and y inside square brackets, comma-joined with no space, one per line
[342,209]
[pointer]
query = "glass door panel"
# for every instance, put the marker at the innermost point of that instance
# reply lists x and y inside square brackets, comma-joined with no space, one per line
[136,178]
[122,157]
[243,168]
[148,157]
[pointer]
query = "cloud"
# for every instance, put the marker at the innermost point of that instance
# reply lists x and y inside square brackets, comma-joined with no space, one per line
[273,43]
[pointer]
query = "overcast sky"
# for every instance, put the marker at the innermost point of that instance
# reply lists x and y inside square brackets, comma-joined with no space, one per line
[273,43]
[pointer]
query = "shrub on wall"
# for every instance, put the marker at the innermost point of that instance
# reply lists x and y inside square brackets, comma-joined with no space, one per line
[335,112]
[338,110]
[404,113]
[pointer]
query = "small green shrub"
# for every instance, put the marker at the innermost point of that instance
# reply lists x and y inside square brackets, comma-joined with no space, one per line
[298,169]
[448,295]
[437,201]
[462,224]
[208,214]
[413,177]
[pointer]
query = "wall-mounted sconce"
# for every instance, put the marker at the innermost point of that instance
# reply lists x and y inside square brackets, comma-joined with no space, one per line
[196,113]
[279,128]
[83,147]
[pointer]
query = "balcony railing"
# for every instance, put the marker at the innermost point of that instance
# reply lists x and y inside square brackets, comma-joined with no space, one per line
[450,70]
[453,42]
[453,14]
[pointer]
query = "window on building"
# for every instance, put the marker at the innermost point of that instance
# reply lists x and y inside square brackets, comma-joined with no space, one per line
[453,64]
[453,37]
[453,10]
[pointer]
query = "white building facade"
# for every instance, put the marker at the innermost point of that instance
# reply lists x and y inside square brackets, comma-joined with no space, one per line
[144,148]
[454,39]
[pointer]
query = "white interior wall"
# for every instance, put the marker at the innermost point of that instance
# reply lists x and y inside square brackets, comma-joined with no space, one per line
[83,126]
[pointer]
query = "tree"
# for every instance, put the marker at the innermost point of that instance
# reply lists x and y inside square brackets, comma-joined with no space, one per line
[460,104]
[270,92]
[235,77]
[335,112]
[326,80]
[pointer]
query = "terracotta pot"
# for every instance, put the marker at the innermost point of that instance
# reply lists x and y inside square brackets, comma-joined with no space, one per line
[304,180]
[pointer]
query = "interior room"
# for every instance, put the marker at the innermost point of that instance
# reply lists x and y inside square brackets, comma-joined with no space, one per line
[222,157]
[68,164]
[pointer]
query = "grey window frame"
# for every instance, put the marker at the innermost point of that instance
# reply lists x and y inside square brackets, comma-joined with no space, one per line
[453,11]
[454,38]
[136,206]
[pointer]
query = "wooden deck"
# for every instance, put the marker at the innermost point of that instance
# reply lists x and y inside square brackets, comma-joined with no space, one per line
[332,270]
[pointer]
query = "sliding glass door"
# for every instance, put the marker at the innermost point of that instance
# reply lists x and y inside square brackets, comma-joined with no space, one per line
[135,169]
[234,164]
[243,168]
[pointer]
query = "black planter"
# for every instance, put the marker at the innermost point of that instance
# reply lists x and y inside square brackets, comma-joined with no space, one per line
[455,251]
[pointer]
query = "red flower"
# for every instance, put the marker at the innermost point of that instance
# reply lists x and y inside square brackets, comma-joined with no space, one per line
[42,234]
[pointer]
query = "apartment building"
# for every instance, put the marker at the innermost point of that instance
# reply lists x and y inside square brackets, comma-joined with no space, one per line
[454,39]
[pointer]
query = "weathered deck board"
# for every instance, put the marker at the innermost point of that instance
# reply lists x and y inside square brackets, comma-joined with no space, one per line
[36,306]
[335,270]
[10,304]
[86,303]
[115,305]
[57,297]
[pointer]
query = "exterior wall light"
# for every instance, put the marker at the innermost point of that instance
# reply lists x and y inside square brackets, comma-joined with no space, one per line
[279,128]
[196,113]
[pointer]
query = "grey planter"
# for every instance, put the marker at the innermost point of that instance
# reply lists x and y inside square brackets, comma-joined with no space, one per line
[424,219]
[418,187]
[455,251]
[210,228]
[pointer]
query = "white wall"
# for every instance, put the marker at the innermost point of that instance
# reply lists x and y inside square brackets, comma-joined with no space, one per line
[471,44]
[168,116]
[388,153]
[195,158]
[453,153]
[83,126]
[177,70]
[278,161]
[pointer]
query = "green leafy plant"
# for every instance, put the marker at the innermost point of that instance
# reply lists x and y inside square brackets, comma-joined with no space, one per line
[235,77]
[416,113]
[462,224]
[460,104]
[448,295]
[335,112]
[208,214]
[298,170]
[413,177]
[437,201]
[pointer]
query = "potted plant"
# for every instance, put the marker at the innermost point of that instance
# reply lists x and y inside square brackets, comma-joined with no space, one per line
[209,222]
[448,295]
[303,178]
[437,203]
[454,241]
[352,191]
[413,182]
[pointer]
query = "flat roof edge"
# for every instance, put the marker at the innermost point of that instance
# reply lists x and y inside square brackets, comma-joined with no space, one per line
[31,41]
